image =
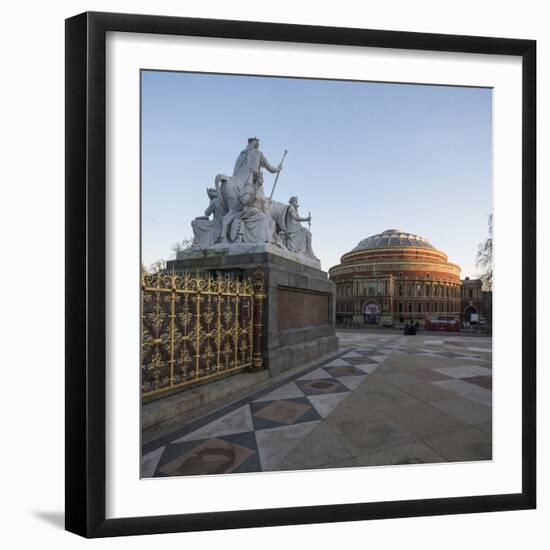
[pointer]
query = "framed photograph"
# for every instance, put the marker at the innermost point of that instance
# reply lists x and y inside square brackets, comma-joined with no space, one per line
[300,274]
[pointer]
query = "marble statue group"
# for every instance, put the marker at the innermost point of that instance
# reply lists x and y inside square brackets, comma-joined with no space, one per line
[239,212]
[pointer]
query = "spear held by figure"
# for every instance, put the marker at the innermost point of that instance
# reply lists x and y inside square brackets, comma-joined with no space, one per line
[277,176]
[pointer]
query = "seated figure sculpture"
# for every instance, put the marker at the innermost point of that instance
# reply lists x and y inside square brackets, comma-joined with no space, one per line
[206,232]
[253,225]
[297,237]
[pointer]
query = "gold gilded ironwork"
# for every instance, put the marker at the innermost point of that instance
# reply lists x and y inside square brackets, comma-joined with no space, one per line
[258,294]
[195,327]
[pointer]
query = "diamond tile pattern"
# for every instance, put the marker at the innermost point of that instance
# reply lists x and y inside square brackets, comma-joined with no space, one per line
[281,412]
[286,411]
[339,413]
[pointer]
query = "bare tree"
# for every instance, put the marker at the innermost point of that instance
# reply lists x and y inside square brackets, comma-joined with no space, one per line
[157,267]
[484,258]
[160,265]
[181,246]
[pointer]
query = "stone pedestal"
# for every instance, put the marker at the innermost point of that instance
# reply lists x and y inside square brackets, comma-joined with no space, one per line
[299,310]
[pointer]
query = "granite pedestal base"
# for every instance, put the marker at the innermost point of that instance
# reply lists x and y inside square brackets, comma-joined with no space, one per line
[299,309]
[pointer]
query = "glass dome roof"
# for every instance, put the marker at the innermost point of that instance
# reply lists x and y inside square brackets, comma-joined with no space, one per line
[393,237]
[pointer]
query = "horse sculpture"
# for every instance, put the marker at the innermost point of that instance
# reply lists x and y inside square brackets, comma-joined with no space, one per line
[229,192]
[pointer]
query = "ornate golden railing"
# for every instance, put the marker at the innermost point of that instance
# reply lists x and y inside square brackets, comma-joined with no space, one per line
[195,327]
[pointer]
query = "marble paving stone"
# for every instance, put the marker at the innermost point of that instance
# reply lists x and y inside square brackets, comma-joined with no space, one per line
[470,444]
[481,350]
[345,463]
[465,371]
[352,353]
[213,456]
[375,355]
[485,427]
[451,355]
[288,390]
[362,360]
[465,389]
[345,371]
[382,396]
[323,386]
[396,378]
[427,375]
[378,358]
[325,404]
[363,432]
[367,369]
[150,461]
[319,447]
[283,411]
[352,382]
[474,358]
[412,453]
[483,381]
[427,392]
[319,373]
[275,443]
[387,352]
[466,410]
[423,420]
[337,363]
[239,420]
[433,342]
[393,366]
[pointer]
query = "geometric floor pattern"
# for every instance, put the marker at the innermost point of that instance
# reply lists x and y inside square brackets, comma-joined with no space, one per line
[386,399]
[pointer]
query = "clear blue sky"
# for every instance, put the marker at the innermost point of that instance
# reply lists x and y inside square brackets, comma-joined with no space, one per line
[362,157]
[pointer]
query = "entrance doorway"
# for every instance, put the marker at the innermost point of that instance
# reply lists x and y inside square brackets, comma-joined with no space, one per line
[470,315]
[371,313]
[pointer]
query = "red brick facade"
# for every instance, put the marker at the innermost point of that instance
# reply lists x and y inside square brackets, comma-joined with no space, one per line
[395,276]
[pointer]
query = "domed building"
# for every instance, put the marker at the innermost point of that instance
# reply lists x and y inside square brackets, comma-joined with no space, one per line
[393,277]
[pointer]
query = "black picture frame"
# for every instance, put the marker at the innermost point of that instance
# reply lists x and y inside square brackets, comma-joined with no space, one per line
[86,275]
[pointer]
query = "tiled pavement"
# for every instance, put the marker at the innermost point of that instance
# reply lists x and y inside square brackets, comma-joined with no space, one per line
[386,399]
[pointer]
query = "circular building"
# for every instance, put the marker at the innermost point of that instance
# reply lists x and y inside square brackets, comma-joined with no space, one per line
[393,277]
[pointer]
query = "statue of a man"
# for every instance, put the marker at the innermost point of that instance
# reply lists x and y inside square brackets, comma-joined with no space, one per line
[250,162]
[298,238]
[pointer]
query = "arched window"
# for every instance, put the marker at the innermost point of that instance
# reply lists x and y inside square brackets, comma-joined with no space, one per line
[400,290]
